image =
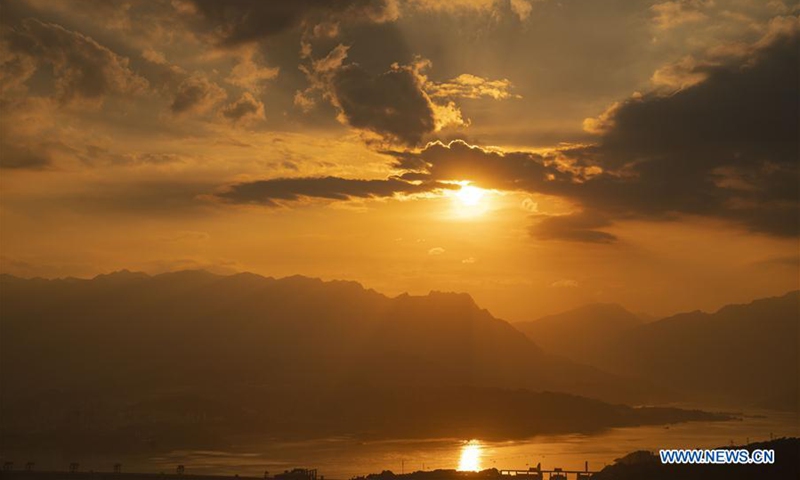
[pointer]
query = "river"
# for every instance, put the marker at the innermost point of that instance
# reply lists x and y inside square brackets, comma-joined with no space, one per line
[343,458]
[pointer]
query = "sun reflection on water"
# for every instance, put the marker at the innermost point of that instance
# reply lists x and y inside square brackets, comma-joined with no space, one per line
[470,460]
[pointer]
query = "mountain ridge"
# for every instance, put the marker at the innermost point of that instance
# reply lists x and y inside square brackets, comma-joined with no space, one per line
[201,356]
[740,354]
[436,324]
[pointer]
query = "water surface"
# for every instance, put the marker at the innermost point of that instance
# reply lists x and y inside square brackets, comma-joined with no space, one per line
[343,458]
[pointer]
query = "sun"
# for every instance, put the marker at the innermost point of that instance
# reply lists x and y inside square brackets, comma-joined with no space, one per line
[470,460]
[469,201]
[470,196]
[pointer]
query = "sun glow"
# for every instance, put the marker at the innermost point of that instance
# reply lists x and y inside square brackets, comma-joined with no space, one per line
[470,457]
[469,201]
[470,196]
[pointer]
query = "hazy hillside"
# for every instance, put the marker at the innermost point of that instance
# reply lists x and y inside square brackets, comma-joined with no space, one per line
[744,354]
[582,333]
[191,358]
[741,355]
[182,328]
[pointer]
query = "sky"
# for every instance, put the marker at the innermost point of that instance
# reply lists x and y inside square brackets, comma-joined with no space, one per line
[538,154]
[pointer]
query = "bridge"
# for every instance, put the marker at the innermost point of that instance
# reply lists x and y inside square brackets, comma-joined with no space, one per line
[555,474]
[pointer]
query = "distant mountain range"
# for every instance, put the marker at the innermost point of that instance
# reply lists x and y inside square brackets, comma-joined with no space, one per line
[581,334]
[189,358]
[174,328]
[741,355]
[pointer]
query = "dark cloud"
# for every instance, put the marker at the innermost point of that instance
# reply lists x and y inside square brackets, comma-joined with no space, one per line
[391,104]
[81,67]
[489,169]
[247,107]
[235,22]
[725,147]
[579,227]
[511,171]
[22,157]
[196,93]
[272,192]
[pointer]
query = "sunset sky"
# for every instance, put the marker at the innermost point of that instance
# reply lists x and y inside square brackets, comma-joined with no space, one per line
[538,154]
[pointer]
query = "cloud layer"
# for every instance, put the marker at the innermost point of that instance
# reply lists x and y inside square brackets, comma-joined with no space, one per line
[275,191]
[715,137]
[725,147]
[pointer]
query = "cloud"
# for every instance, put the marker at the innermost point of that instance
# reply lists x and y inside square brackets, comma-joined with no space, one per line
[436,251]
[493,169]
[237,22]
[578,227]
[394,104]
[303,101]
[16,156]
[679,75]
[471,86]
[82,69]
[390,104]
[164,75]
[196,93]
[469,260]
[725,146]
[565,283]
[16,67]
[154,56]
[273,192]
[529,205]
[246,109]
[187,236]
[670,14]
[250,75]
[522,8]
[97,155]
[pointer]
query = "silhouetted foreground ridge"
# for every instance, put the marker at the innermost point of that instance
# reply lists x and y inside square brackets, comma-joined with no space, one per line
[647,466]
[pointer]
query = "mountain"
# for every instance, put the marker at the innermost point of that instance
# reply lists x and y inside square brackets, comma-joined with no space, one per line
[172,328]
[190,357]
[741,355]
[582,333]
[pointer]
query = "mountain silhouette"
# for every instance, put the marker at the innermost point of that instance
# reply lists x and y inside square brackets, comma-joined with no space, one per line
[169,327]
[582,333]
[191,357]
[741,355]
